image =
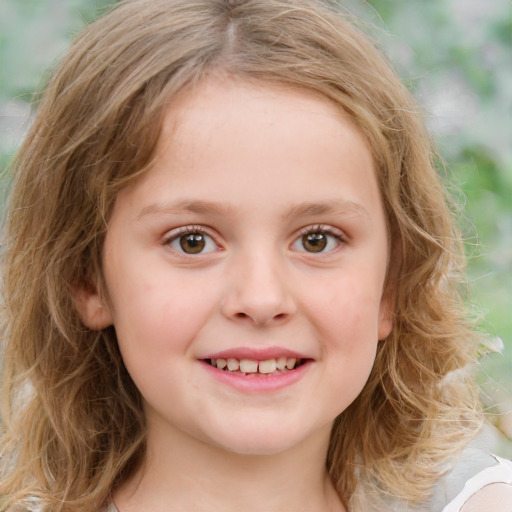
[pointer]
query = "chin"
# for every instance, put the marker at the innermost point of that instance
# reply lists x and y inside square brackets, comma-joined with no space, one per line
[260,440]
[252,448]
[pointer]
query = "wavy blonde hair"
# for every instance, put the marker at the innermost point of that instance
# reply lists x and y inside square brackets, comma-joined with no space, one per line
[72,420]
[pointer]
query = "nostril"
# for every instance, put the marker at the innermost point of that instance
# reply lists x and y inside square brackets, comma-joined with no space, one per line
[279,316]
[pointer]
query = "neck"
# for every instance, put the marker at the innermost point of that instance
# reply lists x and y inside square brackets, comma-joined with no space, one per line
[193,475]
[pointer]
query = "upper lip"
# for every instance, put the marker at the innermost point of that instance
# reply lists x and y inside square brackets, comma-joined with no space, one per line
[255,353]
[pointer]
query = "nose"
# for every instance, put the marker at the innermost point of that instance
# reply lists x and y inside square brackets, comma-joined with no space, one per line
[258,292]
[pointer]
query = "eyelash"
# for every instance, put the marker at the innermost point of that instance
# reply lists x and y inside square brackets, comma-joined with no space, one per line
[177,234]
[323,229]
[184,230]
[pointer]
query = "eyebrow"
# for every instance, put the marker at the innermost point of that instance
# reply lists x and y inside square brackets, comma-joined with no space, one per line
[304,209]
[330,207]
[187,206]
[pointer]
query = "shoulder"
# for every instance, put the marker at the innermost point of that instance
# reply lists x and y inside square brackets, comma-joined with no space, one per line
[496,497]
[489,489]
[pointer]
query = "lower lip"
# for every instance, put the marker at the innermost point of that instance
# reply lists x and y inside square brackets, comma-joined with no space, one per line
[253,384]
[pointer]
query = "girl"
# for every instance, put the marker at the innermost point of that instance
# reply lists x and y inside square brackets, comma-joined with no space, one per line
[231,277]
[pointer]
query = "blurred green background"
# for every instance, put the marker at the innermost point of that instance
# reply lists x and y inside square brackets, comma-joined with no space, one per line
[455,55]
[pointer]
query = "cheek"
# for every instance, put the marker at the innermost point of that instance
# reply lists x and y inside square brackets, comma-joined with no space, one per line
[347,326]
[346,309]
[346,322]
[157,316]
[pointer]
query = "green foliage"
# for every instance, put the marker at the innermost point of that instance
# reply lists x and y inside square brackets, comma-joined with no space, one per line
[33,34]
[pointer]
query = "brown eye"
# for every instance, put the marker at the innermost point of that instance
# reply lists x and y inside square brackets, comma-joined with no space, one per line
[192,243]
[317,239]
[314,242]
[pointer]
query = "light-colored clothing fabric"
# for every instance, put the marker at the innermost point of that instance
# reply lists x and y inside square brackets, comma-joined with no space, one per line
[455,489]
[498,473]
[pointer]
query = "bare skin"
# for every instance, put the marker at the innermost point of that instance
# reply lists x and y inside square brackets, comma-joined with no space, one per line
[494,497]
[295,480]
[259,235]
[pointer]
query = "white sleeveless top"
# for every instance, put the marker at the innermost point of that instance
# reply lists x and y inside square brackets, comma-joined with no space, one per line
[495,470]
[498,473]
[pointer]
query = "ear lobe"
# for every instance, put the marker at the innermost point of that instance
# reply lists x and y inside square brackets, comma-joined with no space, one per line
[93,312]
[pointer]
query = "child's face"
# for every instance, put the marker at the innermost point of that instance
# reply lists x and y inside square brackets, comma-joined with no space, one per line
[259,234]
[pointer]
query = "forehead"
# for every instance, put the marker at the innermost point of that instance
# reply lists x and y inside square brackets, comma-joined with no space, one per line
[251,105]
[264,143]
[230,116]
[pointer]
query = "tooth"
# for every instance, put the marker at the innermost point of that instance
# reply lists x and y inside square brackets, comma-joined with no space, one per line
[290,363]
[248,366]
[233,364]
[221,363]
[281,363]
[213,362]
[268,366]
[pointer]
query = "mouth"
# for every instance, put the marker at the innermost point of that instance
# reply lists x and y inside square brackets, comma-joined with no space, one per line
[254,368]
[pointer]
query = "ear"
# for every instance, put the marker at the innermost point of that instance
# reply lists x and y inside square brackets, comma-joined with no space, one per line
[92,310]
[389,295]
[385,316]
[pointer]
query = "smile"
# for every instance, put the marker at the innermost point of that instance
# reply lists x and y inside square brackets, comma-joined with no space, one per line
[251,367]
[256,370]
